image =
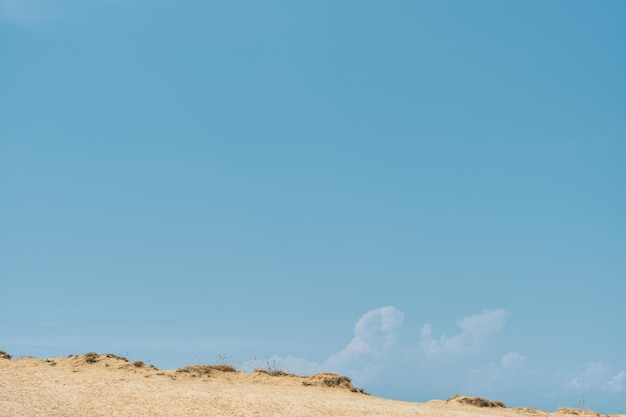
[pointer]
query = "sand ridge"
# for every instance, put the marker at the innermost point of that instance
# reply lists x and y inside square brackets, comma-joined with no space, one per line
[109,385]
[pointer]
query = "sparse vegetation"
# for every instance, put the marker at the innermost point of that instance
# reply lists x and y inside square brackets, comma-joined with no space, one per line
[196,370]
[91,357]
[222,359]
[4,355]
[577,411]
[222,367]
[139,364]
[273,372]
[330,380]
[272,369]
[477,401]
[113,356]
[203,369]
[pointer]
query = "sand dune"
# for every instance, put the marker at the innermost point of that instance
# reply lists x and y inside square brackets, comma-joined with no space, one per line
[107,385]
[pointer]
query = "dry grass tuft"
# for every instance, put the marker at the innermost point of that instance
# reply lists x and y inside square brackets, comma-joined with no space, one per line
[327,379]
[113,356]
[477,401]
[4,355]
[196,370]
[222,367]
[273,372]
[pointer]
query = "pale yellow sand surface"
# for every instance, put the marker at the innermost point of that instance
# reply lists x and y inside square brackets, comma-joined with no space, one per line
[76,387]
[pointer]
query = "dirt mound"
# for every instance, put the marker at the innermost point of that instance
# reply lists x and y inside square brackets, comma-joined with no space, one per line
[476,401]
[330,380]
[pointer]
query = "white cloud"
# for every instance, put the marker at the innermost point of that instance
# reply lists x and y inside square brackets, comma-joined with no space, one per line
[617,383]
[597,376]
[361,359]
[375,345]
[504,373]
[474,331]
[374,334]
[512,361]
[593,375]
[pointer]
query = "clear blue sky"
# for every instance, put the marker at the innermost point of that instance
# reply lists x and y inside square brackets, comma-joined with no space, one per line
[428,196]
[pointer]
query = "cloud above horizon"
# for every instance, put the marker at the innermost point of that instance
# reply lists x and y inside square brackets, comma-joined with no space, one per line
[375,343]
[599,376]
[507,371]
[475,329]
[380,359]
[374,334]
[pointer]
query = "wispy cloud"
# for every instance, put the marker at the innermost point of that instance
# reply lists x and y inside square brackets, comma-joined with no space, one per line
[474,331]
[512,361]
[599,376]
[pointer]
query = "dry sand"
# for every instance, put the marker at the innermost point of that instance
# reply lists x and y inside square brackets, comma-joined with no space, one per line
[107,385]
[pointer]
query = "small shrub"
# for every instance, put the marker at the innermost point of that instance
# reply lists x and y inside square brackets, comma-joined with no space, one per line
[91,357]
[139,364]
[4,355]
[335,380]
[330,380]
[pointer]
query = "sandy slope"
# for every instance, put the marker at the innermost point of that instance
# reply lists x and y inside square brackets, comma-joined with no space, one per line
[111,386]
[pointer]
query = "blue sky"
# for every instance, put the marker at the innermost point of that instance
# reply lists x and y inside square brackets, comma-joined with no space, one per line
[426,196]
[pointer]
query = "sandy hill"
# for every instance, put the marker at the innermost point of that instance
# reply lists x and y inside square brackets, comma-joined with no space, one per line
[107,385]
